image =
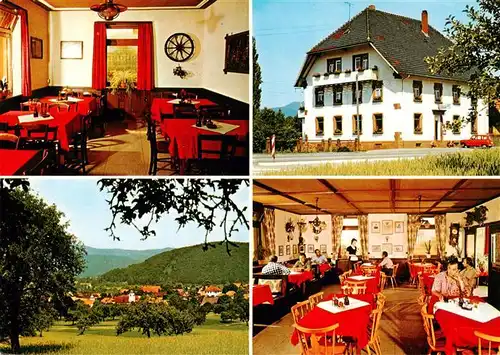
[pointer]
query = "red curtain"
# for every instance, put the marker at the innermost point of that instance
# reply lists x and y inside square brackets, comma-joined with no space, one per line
[25,54]
[145,61]
[99,63]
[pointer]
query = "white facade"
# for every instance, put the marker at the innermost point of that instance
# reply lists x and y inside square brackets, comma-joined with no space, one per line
[397,107]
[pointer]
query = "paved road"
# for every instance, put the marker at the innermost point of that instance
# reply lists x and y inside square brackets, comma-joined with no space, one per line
[262,162]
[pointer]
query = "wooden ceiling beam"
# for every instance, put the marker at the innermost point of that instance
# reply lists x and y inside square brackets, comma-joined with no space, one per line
[327,184]
[392,183]
[448,193]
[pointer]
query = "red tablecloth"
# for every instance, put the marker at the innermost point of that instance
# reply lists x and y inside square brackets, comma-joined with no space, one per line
[67,123]
[434,299]
[161,107]
[352,323]
[87,104]
[428,282]
[13,162]
[372,285]
[261,294]
[324,268]
[419,267]
[459,331]
[184,137]
[301,277]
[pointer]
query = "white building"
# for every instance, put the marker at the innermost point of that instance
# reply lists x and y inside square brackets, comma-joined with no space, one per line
[399,97]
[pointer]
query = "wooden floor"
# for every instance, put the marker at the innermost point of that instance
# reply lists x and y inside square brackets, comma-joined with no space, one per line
[401,328]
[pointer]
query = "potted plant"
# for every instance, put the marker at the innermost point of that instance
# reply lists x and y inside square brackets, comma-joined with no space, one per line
[482,263]
[262,253]
[375,68]
[428,248]
[301,108]
[338,132]
[348,71]
[180,72]
[478,215]
[316,75]
[122,79]
[326,75]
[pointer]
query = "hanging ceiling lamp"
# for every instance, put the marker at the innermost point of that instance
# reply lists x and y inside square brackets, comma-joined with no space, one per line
[317,225]
[108,11]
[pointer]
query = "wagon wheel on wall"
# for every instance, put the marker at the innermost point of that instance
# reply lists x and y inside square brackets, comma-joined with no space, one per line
[179,47]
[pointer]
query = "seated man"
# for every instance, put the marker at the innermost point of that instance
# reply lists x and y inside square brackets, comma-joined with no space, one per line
[469,275]
[386,265]
[275,268]
[318,258]
[302,263]
[448,283]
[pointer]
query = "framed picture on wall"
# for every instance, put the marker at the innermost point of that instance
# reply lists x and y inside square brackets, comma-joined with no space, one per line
[387,247]
[398,248]
[375,227]
[280,250]
[288,250]
[376,248]
[36,48]
[310,248]
[399,227]
[302,248]
[71,49]
[237,53]
[387,227]
[322,248]
[294,249]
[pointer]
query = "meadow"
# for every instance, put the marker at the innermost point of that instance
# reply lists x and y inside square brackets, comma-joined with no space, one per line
[479,162]
[212,337]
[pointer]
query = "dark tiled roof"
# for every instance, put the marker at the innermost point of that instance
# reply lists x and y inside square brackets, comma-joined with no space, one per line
[399,40]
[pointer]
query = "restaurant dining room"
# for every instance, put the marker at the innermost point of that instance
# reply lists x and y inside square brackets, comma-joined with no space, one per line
[378,266]
[124,87]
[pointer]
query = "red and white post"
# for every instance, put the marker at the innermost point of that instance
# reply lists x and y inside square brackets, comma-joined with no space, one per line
[273,146]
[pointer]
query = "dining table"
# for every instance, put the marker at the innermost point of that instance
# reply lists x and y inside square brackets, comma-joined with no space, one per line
[353,319]
[261,294]
[300,277]
[16,162]
[323,268]
[67,123]
[161,108]
[85,103]
[458,325]
[372,282]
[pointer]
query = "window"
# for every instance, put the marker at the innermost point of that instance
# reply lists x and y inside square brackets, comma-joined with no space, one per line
[337,95]
[357,93]
[417,123]
[357,122]
[456,125]
[334,65]
[337,122]
[377,91]
[438,92]
[122,52]
[378,125]
[8,20]
[360,62]
[456,94]
[320,125]
[417,91]
[320,96]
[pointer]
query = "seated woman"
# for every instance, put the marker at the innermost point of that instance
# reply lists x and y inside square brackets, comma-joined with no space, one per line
[302,263]
[448,283]
[469,275]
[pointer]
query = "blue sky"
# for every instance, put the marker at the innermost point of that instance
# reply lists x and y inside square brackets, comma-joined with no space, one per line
[88,213]
[285,30]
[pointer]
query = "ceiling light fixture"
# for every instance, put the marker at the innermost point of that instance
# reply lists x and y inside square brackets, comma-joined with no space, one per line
[108,11]
[317,225]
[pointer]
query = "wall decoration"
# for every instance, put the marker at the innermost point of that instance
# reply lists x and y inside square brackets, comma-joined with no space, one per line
[237,53]
[295,249]
[317,225]
[399,227]
[376,248]
[387,247]
[454,234]
[387,227]
[288,250]
[398,248]
[375,227]
[71,49]
[179,47]
[310,248]
[322,248]
[36,48]
[302,248]
[280,250]
[289,229]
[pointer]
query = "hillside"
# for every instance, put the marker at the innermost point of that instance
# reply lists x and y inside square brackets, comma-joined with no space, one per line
[189,265]
[289,110]
[100,261]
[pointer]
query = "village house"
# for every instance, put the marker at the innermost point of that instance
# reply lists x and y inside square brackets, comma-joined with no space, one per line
[212,291]
[151,289]
[398,101]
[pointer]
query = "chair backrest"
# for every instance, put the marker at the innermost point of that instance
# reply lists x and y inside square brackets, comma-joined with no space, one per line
[314,341]
[38,169]
[62,107]
[428,326]
[355,287]
[342,278]
[421,288]
[41,132]
[395,270]
[300,310]
[376,315]
[381,300]
[315,299]
[185,110]
[9,141]
[224,145]
[488,338]
[283,279]
[369,270]
[25,106]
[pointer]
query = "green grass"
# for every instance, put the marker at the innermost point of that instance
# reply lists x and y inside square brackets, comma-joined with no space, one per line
[479,162]
[210,338]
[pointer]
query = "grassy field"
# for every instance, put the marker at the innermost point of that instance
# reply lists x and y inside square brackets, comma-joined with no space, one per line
[479,162]
[211,338]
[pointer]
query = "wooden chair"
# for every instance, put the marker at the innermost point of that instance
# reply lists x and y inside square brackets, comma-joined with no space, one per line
[422,299]
[490,339]
[300,310]
[25,106]
[158,146]
[9,141]
[383,281]
[39,168]
[319,341]
[354,287]
[79,142]
[185,110]
[6,128]
[62,107]
[381,299]
[374,340]
[315,299]
[435,340]
[392,278]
